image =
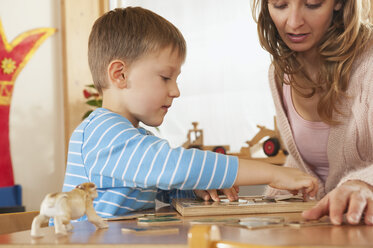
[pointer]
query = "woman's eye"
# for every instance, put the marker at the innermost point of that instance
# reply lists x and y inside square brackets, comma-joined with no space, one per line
[280,6]
[313,6]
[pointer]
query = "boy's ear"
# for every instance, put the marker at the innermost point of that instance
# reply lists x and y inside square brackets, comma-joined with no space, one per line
[116,73]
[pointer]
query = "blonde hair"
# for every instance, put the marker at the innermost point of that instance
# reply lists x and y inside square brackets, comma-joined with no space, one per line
[349,32]
[127,34]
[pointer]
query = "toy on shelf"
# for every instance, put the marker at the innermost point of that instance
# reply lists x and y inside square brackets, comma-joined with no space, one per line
[67,206]
[272,146]
[195,140]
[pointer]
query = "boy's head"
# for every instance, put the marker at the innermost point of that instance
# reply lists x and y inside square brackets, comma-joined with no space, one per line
[128,34]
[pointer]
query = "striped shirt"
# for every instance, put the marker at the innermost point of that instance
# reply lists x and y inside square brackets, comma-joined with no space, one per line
[132,168]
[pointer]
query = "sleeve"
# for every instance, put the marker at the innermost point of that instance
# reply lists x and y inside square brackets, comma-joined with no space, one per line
[118,155]
[365,175]
[364,172]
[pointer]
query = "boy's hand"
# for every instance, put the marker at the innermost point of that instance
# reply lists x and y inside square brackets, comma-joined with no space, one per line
[232,194]
[294,180]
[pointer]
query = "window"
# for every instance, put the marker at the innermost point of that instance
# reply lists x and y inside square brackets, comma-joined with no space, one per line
[224,81]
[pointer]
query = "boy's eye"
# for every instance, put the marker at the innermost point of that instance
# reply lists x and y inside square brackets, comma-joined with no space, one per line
[165,78]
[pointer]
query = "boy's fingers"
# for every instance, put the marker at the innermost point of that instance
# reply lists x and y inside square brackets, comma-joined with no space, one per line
[214,194]
[231,194]
[310,187]
[315,187]
[237,188]
[203,194]
[228,194]
[235,193]
[294,192]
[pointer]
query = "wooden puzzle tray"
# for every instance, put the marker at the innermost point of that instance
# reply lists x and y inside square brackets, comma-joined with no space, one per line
[245,205]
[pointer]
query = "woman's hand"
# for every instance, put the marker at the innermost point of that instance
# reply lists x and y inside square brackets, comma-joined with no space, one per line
[294,180]
[232,194]
[353,197]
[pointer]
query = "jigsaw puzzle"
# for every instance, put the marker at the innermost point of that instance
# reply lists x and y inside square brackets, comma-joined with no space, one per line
[245,205]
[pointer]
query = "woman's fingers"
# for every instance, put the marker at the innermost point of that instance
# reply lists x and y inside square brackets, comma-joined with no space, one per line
[338,203]
[356,206]
[369,212]
[319,210]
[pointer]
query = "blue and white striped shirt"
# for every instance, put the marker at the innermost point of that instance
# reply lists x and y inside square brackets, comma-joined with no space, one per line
[132,168]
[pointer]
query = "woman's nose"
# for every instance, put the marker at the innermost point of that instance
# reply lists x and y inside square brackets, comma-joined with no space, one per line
[295,18]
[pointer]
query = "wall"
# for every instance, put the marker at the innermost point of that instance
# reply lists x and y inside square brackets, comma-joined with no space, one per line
[224,81]
[36,115]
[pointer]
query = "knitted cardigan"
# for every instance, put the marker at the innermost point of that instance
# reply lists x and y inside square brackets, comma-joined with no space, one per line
[350,143]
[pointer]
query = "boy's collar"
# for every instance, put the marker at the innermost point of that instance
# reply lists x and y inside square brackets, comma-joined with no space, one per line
[141,129]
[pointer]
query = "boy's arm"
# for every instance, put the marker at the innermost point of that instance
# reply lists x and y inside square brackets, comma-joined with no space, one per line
[115,154]
[258,172]
[146,161]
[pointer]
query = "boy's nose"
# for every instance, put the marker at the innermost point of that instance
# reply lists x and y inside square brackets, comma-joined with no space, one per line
[174,90]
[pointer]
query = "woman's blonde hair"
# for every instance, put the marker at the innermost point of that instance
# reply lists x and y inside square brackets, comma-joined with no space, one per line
[349,31]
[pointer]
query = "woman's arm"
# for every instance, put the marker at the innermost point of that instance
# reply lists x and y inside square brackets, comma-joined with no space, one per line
[354,193]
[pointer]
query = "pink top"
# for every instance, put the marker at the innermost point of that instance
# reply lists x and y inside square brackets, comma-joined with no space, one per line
[311,138]
[350,142]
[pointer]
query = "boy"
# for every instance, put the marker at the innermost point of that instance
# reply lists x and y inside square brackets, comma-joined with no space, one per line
[135,57]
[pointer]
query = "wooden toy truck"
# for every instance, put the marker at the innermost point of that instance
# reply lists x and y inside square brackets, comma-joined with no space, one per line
[195,140]
[272,146]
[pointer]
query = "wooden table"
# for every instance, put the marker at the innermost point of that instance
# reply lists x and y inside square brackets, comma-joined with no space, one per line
[84,234]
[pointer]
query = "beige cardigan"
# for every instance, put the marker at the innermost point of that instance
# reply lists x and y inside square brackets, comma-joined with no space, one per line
[350,144]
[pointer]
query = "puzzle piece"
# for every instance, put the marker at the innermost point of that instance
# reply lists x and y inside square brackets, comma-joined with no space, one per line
[215,221]
[303,223]
[260,222]
[157,221]
[150,230]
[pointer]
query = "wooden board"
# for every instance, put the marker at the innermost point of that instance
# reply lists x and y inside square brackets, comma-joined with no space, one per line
[245,205]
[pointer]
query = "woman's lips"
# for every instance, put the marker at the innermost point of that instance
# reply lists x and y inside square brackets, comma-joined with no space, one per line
[297,38]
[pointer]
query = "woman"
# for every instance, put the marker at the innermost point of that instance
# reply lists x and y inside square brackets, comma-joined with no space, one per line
[321,80]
